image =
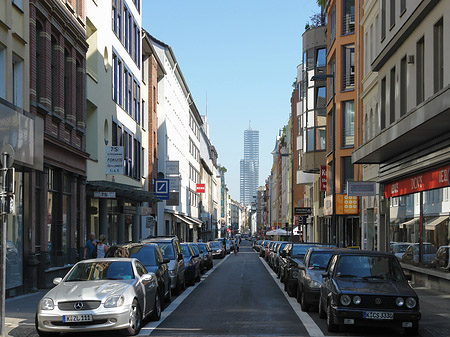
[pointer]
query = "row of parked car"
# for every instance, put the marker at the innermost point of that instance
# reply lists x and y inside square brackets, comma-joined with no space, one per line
[408,252]
[126,287]
[348,287]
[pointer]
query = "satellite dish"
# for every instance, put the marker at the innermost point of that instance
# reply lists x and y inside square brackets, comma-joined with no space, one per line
[8,149]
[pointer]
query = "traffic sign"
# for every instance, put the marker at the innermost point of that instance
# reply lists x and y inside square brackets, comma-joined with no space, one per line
[161,188]
[302,211]
[200,188]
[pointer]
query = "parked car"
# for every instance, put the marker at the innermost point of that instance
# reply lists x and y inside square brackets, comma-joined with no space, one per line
[192,264]
[399,248]
[217,250]
[295,254]
[262,250]
[368,288]
[206,253]
[151,257]
[411,254]
[278,256]
[256,245]
[442,258]
[225,244]
[171,249]
[310,275]
[197,251]
[100,294]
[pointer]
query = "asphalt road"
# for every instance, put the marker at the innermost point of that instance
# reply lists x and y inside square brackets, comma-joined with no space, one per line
[241,296]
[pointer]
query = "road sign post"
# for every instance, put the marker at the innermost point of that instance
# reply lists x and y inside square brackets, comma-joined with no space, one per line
[7,159]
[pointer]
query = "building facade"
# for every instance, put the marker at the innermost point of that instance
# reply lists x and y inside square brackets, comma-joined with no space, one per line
[249,167]
[407,140]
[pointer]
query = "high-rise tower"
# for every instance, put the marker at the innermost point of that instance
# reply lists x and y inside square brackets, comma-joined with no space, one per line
[250,166]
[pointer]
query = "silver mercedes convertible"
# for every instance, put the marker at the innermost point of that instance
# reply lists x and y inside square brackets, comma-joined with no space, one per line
[100,294]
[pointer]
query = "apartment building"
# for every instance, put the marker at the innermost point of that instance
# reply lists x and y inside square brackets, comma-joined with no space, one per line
[406,142]
[342,59]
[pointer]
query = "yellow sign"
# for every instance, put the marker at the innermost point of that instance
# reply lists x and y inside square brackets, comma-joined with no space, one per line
[346,205]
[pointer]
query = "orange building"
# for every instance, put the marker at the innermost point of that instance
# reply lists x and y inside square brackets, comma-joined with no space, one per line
[342,97]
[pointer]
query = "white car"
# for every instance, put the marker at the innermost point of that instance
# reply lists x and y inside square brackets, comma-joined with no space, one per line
[100,294]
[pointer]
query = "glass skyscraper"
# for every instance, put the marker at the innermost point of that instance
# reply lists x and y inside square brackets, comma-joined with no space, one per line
[250,166]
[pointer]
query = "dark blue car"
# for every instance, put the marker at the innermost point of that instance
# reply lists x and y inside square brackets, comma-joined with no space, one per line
[191,264]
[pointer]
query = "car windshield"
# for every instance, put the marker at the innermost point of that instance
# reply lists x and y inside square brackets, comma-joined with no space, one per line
[202,246]
[281,247]
[369,268]
[299,250]
[196,250]
[214,245]
[167,250]
[427,249]
[399,248]
[145,254]
[101,270]
[319,260]
[186,251]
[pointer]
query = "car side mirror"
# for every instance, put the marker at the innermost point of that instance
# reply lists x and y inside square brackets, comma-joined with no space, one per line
[283,254]
[201,252]
[408,277]
[57,280]
[325,275]
[180,256]
[196,255]
[165,261]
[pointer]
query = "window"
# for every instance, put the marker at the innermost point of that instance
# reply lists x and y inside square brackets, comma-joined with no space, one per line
[347,172]
[372,127]
[403,87]
[2,73]
[126,87]
[321,98]
[392,96]
[310,140]
[402,6]
[194,175]
[332,83]
[438,52]
[18,3]
[17,70]
[348,20]
[39,30]
[54,72]
[79,89]
[120,82]
[348,75]
[383,19]
[366,128]
[392,14]
[420,69]
[348,123]
[333,25]
[67,81]
[114,74]
[321,59]
[383,103]
[321,137]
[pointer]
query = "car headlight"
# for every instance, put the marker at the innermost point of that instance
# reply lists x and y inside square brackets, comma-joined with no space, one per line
[357,300]
[345,300]
[314,284]
[47,304]
[399,301]
[114,301]
[411,302]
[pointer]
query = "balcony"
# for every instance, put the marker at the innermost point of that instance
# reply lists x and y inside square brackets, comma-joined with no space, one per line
[311,161]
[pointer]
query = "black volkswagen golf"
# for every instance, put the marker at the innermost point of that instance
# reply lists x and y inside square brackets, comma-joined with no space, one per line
[367,288]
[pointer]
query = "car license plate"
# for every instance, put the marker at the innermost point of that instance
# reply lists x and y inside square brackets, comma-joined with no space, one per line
[378,315]
[77,318]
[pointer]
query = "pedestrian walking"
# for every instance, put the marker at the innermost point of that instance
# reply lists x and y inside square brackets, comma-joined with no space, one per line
[90,246]
[102,248]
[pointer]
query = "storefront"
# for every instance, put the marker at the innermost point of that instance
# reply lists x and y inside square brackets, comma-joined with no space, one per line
[419,210]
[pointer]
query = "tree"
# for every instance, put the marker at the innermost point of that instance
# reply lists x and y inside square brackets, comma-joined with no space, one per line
[321,3]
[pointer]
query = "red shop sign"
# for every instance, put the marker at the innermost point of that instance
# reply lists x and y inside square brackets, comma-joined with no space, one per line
[323,178]
[421,182]
[200,188]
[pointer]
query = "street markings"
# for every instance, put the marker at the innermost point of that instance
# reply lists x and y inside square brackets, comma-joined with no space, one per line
[150,327]
[308,322]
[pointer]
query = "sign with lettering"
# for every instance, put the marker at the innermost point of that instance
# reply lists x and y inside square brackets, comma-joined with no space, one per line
[323,178]
[104,195]
[302,211]
[430,180]
[172,167]
[346,205]
[114,160]
[361,188]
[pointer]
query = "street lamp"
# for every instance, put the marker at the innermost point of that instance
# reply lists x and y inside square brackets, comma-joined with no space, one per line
[324,77]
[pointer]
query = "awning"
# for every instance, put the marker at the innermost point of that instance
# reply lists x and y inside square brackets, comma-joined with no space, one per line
[187,219]
[410,222]
[122,190]
[430,225]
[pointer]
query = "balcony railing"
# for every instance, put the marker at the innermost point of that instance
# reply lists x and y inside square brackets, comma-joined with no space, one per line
[348,24]
[348,81]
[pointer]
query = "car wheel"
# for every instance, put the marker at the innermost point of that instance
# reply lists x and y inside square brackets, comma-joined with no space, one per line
[44,333]
[156,314]
[331,326]
[414,331]
[134,321]
[303,304]
[322,312]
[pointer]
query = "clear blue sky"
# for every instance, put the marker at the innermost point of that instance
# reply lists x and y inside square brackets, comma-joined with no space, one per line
[244,54]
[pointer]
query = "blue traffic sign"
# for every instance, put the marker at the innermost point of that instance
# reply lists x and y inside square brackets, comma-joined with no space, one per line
[161,188]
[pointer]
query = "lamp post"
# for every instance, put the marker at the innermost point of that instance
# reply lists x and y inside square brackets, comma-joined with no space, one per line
[324,77]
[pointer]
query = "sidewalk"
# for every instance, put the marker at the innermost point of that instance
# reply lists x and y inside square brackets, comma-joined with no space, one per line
[20,313]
